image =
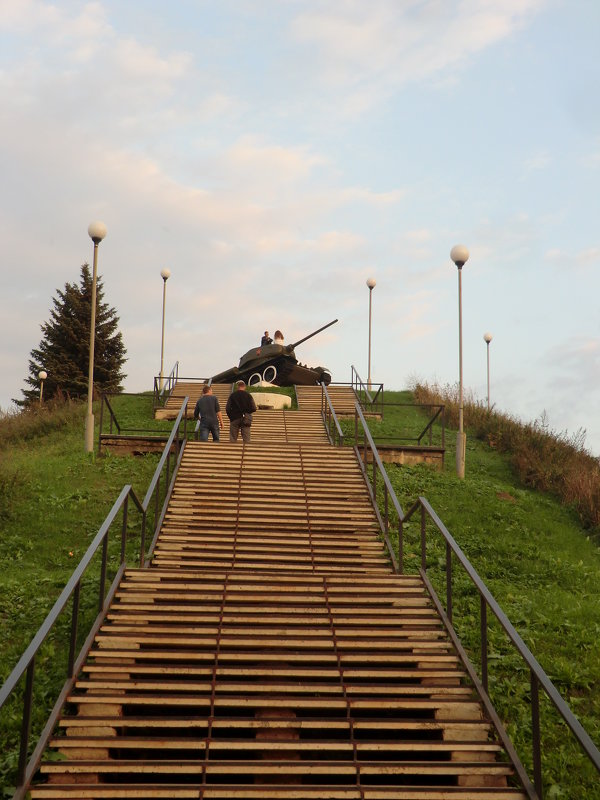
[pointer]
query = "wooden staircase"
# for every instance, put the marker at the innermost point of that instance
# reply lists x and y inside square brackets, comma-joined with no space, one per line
[343,399]
[193,390]
[269,652]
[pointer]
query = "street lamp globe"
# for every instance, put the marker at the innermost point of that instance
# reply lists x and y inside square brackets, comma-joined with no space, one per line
[460,255]
[371,282]
[487,337]
[96,231]
[42,375]
[165,274]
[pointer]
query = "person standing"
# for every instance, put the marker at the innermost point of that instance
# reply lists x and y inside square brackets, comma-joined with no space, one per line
[208,411]
[266,339]
[240,407]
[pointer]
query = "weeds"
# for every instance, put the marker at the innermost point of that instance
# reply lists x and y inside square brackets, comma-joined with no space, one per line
[542,459]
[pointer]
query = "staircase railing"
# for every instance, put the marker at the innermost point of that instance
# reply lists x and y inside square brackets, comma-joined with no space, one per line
[412,425]
[371,402]
[167,385]
[368,454]
[108,419]
[25,668]
[330,420]
[386,497]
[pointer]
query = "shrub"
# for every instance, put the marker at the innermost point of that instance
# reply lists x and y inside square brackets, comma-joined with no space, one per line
[542,459]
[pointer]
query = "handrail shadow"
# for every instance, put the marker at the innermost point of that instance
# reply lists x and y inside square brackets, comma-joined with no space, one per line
[25,668]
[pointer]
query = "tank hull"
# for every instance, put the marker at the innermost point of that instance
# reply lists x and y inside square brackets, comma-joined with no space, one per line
[287,372]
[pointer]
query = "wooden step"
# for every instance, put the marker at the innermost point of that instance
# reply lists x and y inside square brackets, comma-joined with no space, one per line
[270,652]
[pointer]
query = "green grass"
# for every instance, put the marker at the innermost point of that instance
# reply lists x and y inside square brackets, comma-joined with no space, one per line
[544,570]
[54,498]
[534,554]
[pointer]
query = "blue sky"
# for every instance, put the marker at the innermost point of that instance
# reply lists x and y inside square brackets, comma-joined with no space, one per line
[274,155]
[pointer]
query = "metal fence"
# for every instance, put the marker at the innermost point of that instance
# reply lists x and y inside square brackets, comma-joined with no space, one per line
[392,518]
[152,514]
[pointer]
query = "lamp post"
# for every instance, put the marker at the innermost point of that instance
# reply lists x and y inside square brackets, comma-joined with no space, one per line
[165,274]
[42,375]
[96,232]
[460,255]
[371,284]
[487,338]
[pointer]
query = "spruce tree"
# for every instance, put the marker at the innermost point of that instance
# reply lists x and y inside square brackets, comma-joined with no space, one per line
[64,351]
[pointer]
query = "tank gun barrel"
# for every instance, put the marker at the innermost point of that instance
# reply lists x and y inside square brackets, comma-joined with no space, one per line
[310,335]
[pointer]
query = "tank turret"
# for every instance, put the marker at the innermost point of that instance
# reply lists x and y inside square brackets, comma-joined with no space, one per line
[276,363]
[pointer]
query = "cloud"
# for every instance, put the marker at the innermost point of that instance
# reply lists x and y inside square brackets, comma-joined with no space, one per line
[373,49]
[539,161]
[579,260]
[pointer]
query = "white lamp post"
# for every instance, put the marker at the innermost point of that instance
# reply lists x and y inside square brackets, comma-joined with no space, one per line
[165,274]
[460,255]
[42,375]
[97,232]
[487,338]
[371,284]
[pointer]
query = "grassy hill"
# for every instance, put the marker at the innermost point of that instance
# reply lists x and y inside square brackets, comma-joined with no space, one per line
[534,552]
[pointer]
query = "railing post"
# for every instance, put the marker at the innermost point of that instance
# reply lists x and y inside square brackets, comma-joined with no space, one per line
[102,587]
[423,541]
[400,546]
[385,503]
[74,626]
[443,427]
[535,735]
[484,642]
[26,723]
[143,539]
[374,478]
[449,581]
[156,500]
[100,424]
[124,529]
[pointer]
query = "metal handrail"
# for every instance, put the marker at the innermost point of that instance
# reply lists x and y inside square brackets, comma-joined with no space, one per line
[388,490]
[26,664]
[167,385]
[438,412]
[172,379]
[328,414]
[375,402]
[429,427]
[112,416]
[538,677]
[104,401]
[358,383]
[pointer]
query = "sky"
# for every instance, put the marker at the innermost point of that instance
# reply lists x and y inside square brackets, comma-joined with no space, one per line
[275,154]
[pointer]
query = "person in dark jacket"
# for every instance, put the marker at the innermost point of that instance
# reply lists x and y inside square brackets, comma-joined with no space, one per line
[240,407]
[266,339]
